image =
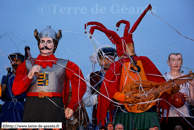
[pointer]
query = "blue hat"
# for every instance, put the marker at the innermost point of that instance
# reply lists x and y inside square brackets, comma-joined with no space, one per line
[107,51]
[18,55]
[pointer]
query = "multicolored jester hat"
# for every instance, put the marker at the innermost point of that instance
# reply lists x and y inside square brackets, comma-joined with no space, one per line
[129,68]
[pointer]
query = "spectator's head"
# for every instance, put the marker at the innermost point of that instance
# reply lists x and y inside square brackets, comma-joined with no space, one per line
[110,126]
[103,128]
[16,59]
[178,127]
[119,127]
[106,56]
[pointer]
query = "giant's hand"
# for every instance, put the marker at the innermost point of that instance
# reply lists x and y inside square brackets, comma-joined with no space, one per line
[187,98]
[130,98]
[34,69]
[68,113]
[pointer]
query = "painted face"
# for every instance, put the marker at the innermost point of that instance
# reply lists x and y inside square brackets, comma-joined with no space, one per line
[130,49]
[175,62]
[15,62]
[105,62]
[46,46]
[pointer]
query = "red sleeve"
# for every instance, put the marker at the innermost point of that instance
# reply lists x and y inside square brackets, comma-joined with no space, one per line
[78,84]
[111,84]
[21,81]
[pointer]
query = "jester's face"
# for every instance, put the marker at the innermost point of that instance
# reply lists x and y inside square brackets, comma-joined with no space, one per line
[46,46]
[130,49]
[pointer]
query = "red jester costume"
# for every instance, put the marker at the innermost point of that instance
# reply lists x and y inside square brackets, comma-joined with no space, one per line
[129,68]
[47,95]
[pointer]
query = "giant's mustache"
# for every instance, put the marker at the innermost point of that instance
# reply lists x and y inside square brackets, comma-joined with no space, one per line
[45,48]
[15,65]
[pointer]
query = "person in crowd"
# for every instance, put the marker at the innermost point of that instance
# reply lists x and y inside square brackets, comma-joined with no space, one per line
[103,128]
[119,127]
[110,126]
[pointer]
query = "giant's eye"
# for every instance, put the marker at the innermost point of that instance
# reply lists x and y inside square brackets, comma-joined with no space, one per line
[42,41]
[179,60]
[172,60]
[49,41]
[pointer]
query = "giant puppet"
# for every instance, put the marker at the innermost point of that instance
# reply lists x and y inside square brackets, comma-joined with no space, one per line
[179,114]
[130,81]
[105,56]
[47,82]
[13,106]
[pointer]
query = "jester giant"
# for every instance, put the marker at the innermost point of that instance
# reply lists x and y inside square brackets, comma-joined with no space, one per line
[130,81]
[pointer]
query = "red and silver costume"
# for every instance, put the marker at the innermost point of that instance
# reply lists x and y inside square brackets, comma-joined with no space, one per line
[47,95]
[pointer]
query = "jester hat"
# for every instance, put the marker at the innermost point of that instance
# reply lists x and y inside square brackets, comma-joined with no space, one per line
[125,44]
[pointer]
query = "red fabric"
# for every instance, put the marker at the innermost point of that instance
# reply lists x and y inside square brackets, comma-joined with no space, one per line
[164,105]
[115,38]
[21,81]
[113,75]
[45,61]
[140,18]
[94,23]
[76,78]
[100,25]
[48,94]
[127,26]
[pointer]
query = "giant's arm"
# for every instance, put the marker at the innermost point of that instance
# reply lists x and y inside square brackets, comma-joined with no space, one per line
[191,91]
[21,81]
[78,84]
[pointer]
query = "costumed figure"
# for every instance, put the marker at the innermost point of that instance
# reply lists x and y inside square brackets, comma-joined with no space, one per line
[178,113]
[133,81]
[47,82]
[13,106]
[104,56]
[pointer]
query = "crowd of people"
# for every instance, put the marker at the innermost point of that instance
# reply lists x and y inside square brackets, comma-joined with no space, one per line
[37,89]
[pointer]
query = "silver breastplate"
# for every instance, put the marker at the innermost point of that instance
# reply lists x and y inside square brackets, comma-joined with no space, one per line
[50,79]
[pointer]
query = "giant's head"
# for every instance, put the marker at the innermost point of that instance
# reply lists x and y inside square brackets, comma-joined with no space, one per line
[47,40]
[106,56]
[16,59]
[175,61]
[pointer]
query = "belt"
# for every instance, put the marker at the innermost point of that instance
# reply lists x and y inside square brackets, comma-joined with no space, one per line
[14,99]
[122,107]
[42,94]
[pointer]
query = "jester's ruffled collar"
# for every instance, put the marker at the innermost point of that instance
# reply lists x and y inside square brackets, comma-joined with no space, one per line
[45,61]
